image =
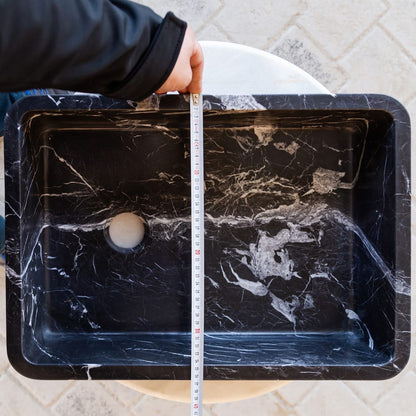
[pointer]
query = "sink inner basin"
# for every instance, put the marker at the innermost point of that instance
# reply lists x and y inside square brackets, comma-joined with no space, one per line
[301,254]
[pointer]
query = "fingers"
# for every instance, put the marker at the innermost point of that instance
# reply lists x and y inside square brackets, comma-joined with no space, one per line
[179,79]
[186,75]
[197,65]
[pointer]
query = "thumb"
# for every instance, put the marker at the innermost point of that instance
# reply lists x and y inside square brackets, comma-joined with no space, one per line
[197,66]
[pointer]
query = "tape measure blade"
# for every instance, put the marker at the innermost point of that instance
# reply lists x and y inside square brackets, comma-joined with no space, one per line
[197,256]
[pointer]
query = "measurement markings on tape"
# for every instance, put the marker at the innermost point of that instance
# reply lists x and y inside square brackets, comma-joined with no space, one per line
[197,258]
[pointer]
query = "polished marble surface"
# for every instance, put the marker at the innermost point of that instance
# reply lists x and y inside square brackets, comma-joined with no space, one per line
[304,199]
[234,69]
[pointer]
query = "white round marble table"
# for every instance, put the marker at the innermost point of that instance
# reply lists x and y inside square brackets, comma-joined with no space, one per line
[236,69]
[241,70]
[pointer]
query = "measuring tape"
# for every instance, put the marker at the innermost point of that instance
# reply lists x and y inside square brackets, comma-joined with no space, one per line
[197,260]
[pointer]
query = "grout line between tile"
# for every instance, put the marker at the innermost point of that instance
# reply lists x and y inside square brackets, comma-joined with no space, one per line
[141,399]
[303,399]
[407,101]
[364,33]
[213,413]
[387,3]
[129,412]
[21,386]
[277,393]
[56,399]
[135,402]
[397,41]
[373,407]
[211,18]
[5,369]
[285,405]
[291,22]
[317,44]
[325,53]
[347,50]
[362,399]
[109,391]
[337,67]
[207,411]
[53,412]
[223,31]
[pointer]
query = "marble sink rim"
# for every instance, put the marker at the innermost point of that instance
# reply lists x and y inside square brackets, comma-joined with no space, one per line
[225,103]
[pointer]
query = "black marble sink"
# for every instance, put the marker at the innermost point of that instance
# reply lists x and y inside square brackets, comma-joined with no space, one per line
[307,237]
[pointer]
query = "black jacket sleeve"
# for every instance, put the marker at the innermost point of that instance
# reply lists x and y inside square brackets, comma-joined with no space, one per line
[112,47]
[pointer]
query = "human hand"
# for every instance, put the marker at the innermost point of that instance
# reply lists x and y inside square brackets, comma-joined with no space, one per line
[186,75]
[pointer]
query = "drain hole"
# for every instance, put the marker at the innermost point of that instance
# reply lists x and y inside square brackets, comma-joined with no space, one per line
[126,232]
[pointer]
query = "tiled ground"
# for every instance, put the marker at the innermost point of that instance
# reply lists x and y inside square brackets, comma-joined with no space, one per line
[349,46]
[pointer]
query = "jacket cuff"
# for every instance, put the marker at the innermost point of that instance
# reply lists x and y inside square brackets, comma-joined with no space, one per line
[155,66]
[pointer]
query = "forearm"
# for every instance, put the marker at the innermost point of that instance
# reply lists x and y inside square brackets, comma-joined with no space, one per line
[113,47]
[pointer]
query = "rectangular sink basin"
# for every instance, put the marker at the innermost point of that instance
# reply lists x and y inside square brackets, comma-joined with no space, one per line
[307,237]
